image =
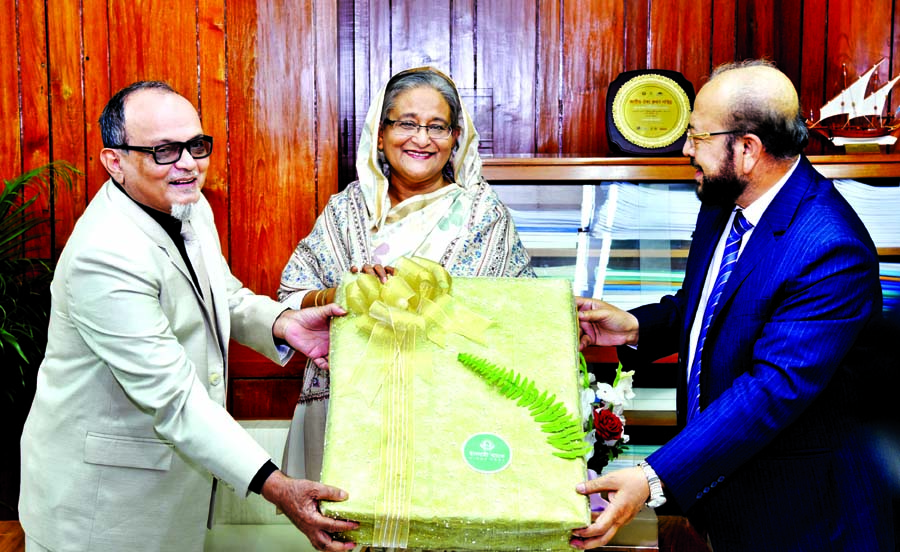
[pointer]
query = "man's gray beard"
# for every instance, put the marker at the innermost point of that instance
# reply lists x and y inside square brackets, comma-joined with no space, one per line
[182,211]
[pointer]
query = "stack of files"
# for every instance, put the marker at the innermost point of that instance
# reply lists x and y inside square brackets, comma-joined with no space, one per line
[877,206]
[628,289]
[890,286]
[633,455]
[629,211]
[547,228]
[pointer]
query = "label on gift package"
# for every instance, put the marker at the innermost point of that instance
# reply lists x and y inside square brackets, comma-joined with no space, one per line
[486,453]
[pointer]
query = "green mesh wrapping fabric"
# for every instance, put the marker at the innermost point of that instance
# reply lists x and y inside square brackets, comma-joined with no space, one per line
[402,412]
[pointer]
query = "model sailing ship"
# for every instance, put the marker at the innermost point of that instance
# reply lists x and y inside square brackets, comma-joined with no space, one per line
[856,118]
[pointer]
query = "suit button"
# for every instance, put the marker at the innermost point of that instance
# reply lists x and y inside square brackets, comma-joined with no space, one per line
[215,378]
[721,478]
[699,496]
[713,484]
[705,490]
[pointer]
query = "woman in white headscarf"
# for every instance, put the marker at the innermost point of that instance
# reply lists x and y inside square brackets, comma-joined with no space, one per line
[420,193]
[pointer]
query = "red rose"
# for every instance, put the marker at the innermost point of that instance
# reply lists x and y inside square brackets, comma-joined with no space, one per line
[608,425]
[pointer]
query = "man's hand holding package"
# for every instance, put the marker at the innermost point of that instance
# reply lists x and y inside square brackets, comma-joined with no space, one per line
[306,330]
[605,325]
[299,500]
[628,491]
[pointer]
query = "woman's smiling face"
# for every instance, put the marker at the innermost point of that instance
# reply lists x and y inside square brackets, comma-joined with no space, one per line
[417,161]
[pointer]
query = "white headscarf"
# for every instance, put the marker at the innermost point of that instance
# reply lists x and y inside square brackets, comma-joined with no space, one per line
[374,185]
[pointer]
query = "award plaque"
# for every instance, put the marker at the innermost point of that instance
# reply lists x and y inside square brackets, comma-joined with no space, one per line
[647,112]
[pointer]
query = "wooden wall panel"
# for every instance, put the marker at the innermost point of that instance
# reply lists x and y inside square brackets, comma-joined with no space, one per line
[154,40]
[95,33]
[11,144]
[723,31]
[35,108]
[213,106]
[345,88]
[271,398]
[637,34]
[463,19]
[593,54]
[547,128]
[787,48]
[67,110]
[676,41]
[327,164]
[420,33]
[859,35]
[271,68]
[379,53]
[506,65]
[812,70]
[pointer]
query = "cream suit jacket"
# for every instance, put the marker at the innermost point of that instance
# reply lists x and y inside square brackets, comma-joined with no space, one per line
[128,421]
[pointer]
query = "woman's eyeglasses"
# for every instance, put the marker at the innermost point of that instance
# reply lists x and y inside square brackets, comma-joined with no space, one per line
[409,128]
[166,154]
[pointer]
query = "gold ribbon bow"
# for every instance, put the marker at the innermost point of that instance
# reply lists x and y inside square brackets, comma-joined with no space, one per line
[415,299]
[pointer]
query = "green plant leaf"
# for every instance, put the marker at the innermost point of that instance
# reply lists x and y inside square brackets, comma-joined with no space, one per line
[24,277]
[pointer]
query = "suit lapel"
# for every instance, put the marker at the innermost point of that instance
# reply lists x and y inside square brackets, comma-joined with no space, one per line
[774,223]
[159,236]
[710,224]
[217,306]
[148,226]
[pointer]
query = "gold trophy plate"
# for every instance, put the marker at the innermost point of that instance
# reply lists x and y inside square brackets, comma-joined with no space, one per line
[649,112]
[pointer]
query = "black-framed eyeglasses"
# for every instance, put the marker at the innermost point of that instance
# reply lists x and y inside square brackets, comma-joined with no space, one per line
[698,136]
[410,128]
[165,154]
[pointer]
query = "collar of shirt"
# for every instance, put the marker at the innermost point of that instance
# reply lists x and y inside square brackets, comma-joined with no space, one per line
[170,224]
[755,210]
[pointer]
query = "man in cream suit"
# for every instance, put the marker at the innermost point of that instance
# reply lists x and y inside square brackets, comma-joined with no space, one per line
[128,425]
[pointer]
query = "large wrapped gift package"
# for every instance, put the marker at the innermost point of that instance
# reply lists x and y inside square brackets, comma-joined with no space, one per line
[454,419]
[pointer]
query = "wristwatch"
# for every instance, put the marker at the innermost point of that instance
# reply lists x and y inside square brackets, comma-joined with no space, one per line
[657,498]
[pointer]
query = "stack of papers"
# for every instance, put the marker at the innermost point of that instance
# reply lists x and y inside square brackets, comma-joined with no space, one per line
[547,228]
[627,211]
[877,206]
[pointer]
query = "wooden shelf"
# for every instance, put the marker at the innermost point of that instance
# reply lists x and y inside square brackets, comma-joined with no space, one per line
[637,253]
[613,252]
[579,169]
[656,418]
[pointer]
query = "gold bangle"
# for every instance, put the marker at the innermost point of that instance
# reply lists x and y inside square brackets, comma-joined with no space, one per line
[318,296]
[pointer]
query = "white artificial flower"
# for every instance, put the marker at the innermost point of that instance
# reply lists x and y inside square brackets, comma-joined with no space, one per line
[587,399]
[626,380]
[591,439]
[609,394]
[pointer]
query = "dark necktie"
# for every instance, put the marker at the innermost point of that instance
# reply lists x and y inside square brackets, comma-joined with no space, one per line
[729,259]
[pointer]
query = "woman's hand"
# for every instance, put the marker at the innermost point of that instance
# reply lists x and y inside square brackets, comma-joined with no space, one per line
[382,272]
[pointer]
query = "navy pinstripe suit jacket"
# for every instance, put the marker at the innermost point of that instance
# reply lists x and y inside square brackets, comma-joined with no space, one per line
[776,460]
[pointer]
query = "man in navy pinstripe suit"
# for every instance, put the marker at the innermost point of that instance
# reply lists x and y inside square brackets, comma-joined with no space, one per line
[775,457]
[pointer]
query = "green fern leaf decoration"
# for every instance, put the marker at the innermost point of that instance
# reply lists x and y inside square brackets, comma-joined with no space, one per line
[564,429]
